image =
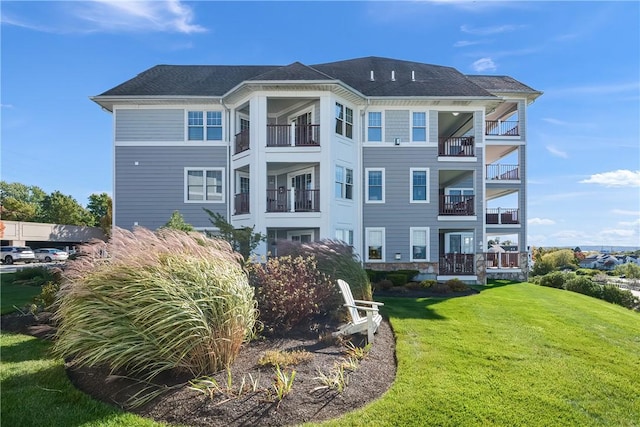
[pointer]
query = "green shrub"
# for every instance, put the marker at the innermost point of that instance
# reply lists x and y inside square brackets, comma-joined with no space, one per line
[426,284]
[37,276]
[414,286]
[583,285]
[555,279]
[46,299]
[336,260]
[440,288]
[409,273]
[456,285]
[587,272]
[398,279]
[615,295]
[291,292]
[160,301]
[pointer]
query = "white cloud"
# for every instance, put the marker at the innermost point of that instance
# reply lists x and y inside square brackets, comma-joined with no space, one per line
[597,89]
[484,64]
[465,43]
[554,121]
[556,152]
[496,29]
[540,221]
[111,16]
[635,223]
[619,178]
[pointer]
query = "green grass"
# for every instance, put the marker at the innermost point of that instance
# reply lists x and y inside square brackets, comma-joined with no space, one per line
[516,355]
[15,295]
[37,392]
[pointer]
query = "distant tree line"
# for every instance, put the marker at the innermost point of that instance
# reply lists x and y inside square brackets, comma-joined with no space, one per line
[29,203]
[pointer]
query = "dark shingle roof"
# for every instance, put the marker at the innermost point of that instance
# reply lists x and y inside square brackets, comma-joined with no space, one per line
[411,79]
[430,80]
[501,84]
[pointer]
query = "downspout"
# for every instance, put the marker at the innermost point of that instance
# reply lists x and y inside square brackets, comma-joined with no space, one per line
[362,178]
[229,171]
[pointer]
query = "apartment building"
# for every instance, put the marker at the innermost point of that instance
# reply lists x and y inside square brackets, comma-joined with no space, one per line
[414,165]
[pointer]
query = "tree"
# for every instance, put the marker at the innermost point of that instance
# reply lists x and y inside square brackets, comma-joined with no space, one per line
[20,202]
[59,208]
[100,207]
[242,240]
[628,270]
[177,222]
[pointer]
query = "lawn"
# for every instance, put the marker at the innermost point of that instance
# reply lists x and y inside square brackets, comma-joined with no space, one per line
[512,355]
[13,295]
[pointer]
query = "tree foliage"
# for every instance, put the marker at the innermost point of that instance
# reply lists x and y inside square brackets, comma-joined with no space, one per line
[20,202]
[59,208]
[101,208]
[177,222]
[243,240]
[628,270]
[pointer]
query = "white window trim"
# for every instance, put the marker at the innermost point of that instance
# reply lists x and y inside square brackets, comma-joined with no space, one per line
[381,128]
[462,234]
[299,233]
[426,126]
[447,191]
[344,183]
[411,170]
[204,169]
[427,249]
[367,230]
[344,231]
[204,127]
[343,132]
[366,175]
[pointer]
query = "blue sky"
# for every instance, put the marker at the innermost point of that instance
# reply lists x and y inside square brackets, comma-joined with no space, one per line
[583,135]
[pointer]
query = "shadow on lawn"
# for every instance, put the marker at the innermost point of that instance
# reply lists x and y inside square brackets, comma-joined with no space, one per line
[421,307]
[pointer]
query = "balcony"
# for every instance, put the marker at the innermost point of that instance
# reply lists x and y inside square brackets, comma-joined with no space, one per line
[501,128]
[241,203]
[457,205]
[459,146]
[503,172]
[503,216]
[503,260]
[293,135]
[456,264]
[293,200]
[242,141]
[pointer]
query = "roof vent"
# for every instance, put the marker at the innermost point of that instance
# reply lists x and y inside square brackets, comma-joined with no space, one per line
[372,78]
[393,76]
[413,76]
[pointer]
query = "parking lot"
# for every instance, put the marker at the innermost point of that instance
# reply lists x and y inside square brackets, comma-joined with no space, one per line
[12,268]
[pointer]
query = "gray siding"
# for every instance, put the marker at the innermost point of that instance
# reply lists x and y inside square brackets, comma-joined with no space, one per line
[432,130]
[149,125]
[397,125]
[149,192]
[397,214]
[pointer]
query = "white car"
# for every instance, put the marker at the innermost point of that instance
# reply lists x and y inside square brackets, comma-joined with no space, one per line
[11,254]
[50,254]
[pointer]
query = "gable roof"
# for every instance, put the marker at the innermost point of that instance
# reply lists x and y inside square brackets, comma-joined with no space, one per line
[410,79]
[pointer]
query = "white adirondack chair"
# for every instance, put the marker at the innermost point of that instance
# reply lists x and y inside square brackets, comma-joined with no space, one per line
[359,324]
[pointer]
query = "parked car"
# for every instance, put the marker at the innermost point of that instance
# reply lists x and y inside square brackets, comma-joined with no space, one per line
[11,254]
[50,254]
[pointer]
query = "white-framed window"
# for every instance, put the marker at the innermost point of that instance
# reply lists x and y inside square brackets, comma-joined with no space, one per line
[344,183]
[199,130]
[374,244]
[419,243]
[459,243]
[374,185]
[374,126]
[458,194]
[345,235]
[344,120]
[419,178]
[419,126]
[204,185]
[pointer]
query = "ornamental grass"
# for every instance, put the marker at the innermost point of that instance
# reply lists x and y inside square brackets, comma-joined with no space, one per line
[336,260]
[146,302]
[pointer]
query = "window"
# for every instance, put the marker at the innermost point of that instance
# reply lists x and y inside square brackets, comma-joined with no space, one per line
[214,125]
[345,236]
[419,243]
[375,185]
[344,120]
[375,244]
[204,185]
[344,183]
[419,185]
[419,130]
[374,133]
[196,126]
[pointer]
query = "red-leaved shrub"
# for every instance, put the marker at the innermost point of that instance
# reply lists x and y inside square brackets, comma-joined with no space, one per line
[291,292]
